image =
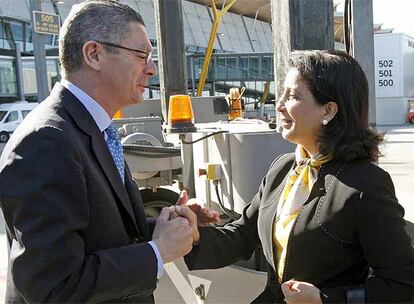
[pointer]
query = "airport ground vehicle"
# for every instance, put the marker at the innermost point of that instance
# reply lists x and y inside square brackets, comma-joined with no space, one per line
[11,115]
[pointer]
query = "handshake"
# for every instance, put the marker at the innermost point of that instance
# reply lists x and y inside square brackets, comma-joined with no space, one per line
[176,230]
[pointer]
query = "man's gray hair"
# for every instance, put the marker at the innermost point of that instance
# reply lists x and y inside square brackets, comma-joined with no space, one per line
[97,20]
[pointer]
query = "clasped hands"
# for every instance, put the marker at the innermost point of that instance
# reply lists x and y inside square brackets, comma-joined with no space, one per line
[176,230]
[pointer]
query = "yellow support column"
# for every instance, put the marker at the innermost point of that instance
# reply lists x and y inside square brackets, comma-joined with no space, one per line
[213,34]
[266,92]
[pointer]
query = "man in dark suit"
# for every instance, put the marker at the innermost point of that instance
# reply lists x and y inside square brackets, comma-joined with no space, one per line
[75,220]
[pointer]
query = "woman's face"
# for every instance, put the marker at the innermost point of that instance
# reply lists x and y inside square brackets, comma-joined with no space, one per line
[300,115]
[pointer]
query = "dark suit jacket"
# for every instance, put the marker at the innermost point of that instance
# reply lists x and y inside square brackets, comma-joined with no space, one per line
[350,222]
[75,232]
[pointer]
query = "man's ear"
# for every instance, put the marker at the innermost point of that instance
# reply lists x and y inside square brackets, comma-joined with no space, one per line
[331,108]
[92,52]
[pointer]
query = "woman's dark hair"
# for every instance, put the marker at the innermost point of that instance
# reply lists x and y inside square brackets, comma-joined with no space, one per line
[335,76]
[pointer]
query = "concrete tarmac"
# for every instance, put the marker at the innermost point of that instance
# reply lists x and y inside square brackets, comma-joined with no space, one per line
[398,160]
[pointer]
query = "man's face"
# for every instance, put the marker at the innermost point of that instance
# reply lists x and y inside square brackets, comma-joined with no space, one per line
[125,74]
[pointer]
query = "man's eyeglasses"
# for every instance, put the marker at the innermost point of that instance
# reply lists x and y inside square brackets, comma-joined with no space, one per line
[147,56]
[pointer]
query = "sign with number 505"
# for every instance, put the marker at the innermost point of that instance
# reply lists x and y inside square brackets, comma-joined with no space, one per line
[46,23]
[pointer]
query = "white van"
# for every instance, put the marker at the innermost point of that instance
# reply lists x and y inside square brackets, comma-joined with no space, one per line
[11,114]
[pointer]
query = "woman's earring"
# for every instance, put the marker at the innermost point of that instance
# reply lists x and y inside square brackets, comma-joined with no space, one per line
[325,122]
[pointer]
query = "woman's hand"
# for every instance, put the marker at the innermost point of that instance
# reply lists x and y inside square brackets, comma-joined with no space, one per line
[196,214]
[205,216]
[300,292]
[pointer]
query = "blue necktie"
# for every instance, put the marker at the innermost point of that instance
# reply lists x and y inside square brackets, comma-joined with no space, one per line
[115,147]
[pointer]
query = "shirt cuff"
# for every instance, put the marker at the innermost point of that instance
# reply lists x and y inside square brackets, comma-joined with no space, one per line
[159,259]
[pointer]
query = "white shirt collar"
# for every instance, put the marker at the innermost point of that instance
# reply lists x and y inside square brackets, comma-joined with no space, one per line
[100,116]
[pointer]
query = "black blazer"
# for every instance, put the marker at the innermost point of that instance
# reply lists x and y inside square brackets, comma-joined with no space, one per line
[351,224]
[75,232]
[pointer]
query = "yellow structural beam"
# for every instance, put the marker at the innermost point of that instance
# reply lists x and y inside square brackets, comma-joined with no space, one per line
[266,91]
[216,22]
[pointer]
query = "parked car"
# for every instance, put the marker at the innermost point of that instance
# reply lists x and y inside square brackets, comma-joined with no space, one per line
[11,115]
[410,116]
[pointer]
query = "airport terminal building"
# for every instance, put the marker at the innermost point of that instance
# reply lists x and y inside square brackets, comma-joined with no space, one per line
[238,33]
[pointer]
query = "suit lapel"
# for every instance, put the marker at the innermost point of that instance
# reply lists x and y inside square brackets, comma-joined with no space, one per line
[325,177]
[85,122]
[137,204]
[108,166]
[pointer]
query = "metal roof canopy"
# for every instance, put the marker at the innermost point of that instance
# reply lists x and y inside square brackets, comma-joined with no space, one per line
[245,7]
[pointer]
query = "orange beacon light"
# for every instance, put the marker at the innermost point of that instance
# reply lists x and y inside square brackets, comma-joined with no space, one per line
[180,115]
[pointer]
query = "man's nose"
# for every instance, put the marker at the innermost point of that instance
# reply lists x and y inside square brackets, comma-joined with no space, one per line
[151,68]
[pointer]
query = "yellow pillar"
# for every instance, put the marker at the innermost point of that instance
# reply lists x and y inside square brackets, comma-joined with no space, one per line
[213,34]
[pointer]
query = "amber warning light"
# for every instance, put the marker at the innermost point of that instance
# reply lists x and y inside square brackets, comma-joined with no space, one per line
[180,115]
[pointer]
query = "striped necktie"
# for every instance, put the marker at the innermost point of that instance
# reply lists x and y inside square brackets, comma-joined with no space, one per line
[115,147]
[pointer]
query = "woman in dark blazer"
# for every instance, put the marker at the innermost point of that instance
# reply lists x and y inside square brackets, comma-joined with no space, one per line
[327,218]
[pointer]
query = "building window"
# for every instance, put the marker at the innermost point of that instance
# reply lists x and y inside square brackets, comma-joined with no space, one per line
[52,72]
[29,74]
[12,32]
[28,38]
[253,67]
[8,85]
[244,67]
[267,66]
[191,49]
[16,30]
[231,70]
[20,32]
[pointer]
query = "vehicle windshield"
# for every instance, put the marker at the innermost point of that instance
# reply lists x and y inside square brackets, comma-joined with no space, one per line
[2,114]
[25,112]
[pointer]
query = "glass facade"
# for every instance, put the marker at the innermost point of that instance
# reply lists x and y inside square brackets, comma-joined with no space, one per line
[17,32]
[14,32]
[234,67]
[8,81]
[225,66]
[29,74]
[8,84]
[29,77]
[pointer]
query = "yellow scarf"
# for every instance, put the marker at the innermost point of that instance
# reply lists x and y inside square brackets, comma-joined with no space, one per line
[301,180]
[294,195]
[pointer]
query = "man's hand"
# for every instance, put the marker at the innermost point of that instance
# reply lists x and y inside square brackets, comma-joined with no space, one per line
[187,213]
[174,238]
[205,216]
[300,292]
[196,214]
